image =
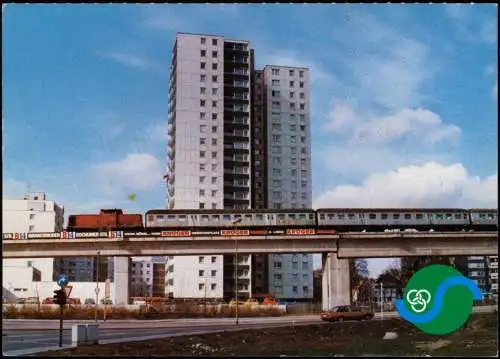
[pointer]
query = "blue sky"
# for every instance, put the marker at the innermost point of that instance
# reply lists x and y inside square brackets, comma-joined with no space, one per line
[404,98]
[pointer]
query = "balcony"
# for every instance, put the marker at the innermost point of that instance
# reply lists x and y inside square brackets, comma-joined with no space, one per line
[238,146]
[237,170]
[237,108]
[243,97]
[236,158]
[239,60]
[237,196]
[236,184]
[237,72]
[237,133]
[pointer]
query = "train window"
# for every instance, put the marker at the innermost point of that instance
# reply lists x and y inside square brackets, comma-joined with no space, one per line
[491,215]
[384,216]
[182,217]
[482,215]
[170,216]
[237,216]
[215,217]
[291,215]
[204,217]
[330,216]
[302,216]
[419,216]
[159,216]
[281,216]
[439,216]
[341,216]
[351,215]
[372,216]
[322,216]
[407,215]
[311,216]
[449,216]
[226,217]
[259,217]
[395,216]
[151,218]
[248,216]
[458,215]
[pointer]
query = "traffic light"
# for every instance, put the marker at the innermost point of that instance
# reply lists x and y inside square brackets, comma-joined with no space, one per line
[60,297]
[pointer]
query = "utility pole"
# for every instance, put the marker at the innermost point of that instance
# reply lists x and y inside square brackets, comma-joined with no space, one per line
[97,288]
[235,222]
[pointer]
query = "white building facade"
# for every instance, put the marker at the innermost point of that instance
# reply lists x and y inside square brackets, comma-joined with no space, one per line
[33,213]
[208,163]
[287,117]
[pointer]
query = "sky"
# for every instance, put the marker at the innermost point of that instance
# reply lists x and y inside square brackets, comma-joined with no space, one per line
[403,99]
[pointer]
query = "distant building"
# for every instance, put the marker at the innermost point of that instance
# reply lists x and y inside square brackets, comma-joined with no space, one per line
[493,274]
[141,278]
[33,213]
[318,285]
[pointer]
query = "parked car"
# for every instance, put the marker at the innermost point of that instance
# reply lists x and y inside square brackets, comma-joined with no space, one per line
[346,312]
[89,301]
[108,301]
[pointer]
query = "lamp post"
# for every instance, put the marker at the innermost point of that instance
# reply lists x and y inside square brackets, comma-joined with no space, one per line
[97,288]
[235,222]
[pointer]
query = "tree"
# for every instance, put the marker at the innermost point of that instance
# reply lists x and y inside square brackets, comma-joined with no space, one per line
[359,270]
[393,273]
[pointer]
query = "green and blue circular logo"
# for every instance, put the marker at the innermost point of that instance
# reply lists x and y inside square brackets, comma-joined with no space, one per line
[438,299]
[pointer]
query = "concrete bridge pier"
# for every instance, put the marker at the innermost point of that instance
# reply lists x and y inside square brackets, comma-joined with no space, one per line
[335,281]
[122,283]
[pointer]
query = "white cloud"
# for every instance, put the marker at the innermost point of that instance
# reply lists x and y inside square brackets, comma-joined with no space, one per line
[428,185]
[421,125]
[140,171]
[128,59]
[457,12]
[388,68]
[13,189]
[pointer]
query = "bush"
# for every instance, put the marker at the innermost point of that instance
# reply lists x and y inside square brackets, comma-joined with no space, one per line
[180,310]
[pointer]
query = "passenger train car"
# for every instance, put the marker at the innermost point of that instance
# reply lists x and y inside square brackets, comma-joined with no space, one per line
[170,223]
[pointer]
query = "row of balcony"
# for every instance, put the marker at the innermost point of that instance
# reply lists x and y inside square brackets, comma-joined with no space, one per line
[238,146]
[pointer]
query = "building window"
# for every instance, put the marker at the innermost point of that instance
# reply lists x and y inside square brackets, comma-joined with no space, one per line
[202,154]
[305,265]
[295,290]
[275,93]
[31,228]
[214,154]
[214,103]
[214,192]
[203,53]
[277,277]
[292,105]
[275,82]
[305,289]
[201,259]
[202,205]
[202,179]
[275,72]
[277,265]
[203,78]
[202,65]
[202,192]
[214,91]
[292,94]
[214,42]
[214,142]
[302,106]
[301,85]
[213,273]
[202,167]
[214,259]
[202,103]
[201,286]
[214,78]
[214,116]
[32,216]
[203,91]
[214,180]
[201,272]
[295,265]
[214,66]
[302,96]
[203,40]
[301,73]
[292,84]
[214,205]
[214,165]
[213,286]
[203,141]
[202,115]
[214,129]
[203,128]
[214,53]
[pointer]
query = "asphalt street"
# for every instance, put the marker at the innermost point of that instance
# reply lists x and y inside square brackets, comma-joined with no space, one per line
[35,335]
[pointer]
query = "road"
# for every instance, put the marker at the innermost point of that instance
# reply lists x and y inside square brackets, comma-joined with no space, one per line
[35,335]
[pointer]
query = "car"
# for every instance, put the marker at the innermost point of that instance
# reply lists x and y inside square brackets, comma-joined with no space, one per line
[89,301]
[346,312]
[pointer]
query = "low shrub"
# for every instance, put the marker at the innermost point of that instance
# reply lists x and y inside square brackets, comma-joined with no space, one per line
[177,311]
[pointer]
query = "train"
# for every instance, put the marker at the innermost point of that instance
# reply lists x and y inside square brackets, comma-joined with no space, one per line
[202,222]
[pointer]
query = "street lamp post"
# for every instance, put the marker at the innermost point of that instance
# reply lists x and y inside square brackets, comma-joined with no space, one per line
[235,222]
[97,288]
